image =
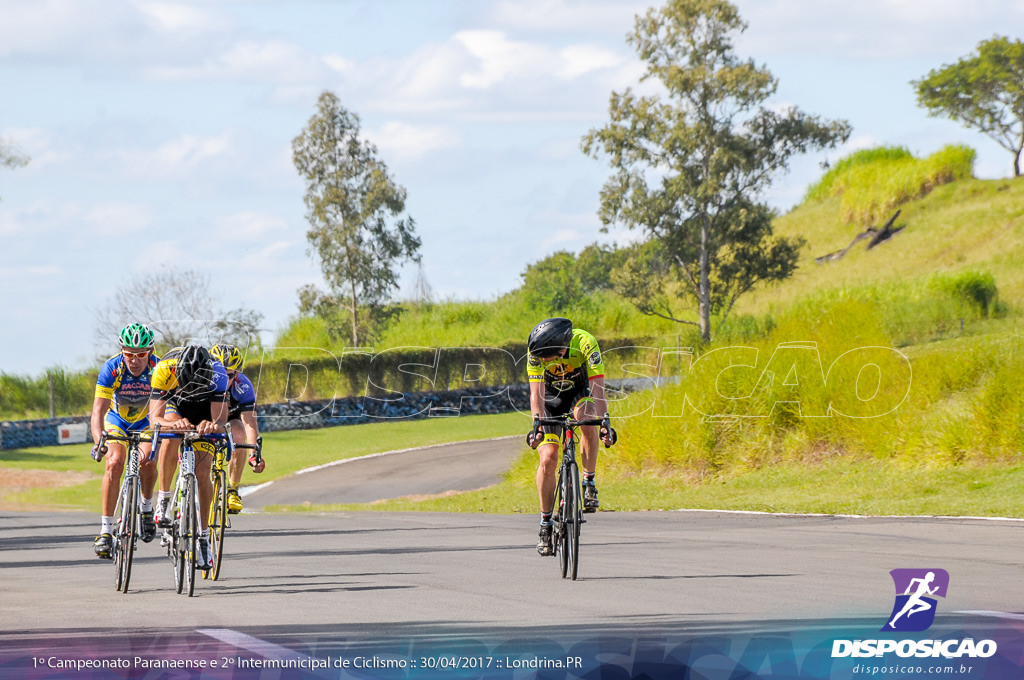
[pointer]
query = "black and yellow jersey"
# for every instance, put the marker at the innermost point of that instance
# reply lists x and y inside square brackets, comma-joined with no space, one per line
[582,364]
[165,380]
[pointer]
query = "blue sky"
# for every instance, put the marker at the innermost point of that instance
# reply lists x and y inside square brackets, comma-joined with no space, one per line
[160,132]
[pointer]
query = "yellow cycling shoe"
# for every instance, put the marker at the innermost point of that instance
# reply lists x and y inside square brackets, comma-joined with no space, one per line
[235,504]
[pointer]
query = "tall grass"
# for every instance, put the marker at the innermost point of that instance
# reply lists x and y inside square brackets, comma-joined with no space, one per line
[829,380]
[874,182]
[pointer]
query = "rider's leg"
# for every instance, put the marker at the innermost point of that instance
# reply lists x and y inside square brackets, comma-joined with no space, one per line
[237,465]
[547,465]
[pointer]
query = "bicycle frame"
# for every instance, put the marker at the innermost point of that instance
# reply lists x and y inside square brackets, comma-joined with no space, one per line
[568,501]
[129,507]
[185,525]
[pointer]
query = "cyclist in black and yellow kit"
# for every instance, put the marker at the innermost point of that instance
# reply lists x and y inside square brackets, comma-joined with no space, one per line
[190,391]
[566,375]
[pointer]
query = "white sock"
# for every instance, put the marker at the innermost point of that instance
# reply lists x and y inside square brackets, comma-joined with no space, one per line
[147,504]
[106,525]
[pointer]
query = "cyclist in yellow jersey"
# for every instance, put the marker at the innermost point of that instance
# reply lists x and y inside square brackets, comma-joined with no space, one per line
[566,375]
[121,405]
[189,392]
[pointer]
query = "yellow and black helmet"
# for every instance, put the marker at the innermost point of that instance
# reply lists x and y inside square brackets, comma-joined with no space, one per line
[227,355]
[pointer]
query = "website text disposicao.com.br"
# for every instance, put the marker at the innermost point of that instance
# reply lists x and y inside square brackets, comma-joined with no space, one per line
[950,655]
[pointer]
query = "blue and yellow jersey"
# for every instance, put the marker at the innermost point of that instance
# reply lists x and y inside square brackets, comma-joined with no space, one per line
[581,364]
[165,380]
[128,394]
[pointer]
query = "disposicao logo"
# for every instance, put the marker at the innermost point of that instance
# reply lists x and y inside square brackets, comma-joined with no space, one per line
[914,610]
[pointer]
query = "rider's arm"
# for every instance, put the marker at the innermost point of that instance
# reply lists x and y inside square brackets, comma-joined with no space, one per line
[252,430]
[158,416]
[100,406]
[219,416]
[537,409]
[597,394]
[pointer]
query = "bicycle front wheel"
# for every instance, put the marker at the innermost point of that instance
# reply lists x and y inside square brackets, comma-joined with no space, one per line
[189,534]
[574,519]
[128,534]
[218,522]
[559,533]
[121,513]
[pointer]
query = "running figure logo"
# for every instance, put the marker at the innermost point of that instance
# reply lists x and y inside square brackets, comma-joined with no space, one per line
[914,610]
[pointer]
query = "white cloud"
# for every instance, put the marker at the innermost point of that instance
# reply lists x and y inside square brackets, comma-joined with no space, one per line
[176,157]
[875,29]
[403,141]
[580,59]
[273,61]
[177,17]
[613,17]
[244,228]
[117,219]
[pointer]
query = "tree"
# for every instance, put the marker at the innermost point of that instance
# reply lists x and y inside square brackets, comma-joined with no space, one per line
[9,156]
[984,91]
[179,307]
[354,210]
[691,163]
[562,282]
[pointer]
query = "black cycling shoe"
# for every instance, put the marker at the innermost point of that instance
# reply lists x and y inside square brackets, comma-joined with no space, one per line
[590,502]
[103,545]
[544,546]
[148,530]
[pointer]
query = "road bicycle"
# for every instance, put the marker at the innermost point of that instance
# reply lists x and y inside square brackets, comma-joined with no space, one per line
[219,519]
[184,530]
[567,520]
[128,512]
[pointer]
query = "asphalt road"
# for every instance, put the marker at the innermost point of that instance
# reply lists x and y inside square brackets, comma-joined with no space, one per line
[308,581]
[414,472]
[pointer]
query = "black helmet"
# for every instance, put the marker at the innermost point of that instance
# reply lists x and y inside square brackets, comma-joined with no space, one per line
[195,371]
[550,337]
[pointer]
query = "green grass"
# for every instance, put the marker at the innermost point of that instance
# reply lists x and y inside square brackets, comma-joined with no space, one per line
[868,487]
[287,452]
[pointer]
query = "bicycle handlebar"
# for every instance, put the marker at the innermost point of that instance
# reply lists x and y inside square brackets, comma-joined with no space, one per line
[607,434]
[133,436]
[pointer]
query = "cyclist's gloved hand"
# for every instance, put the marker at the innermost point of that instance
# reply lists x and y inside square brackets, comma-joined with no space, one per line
[256,461]
[607,433]
[98,452]
[534,437]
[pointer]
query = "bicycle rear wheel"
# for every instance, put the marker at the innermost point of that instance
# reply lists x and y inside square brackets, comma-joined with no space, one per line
[218,522]
[189,534]
[574,519]
[127,535]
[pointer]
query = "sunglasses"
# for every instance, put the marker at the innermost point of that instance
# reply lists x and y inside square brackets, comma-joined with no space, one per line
[135,355]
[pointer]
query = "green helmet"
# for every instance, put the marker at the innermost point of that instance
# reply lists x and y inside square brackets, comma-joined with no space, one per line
[136,336]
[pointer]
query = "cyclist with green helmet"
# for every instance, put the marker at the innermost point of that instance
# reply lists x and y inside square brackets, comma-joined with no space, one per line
[241,419]
[121,405]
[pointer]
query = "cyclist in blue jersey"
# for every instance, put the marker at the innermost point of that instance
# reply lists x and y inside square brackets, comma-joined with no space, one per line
[241,419]
[121,405]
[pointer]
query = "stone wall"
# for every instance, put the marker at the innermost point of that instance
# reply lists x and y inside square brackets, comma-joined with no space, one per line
[307,415]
